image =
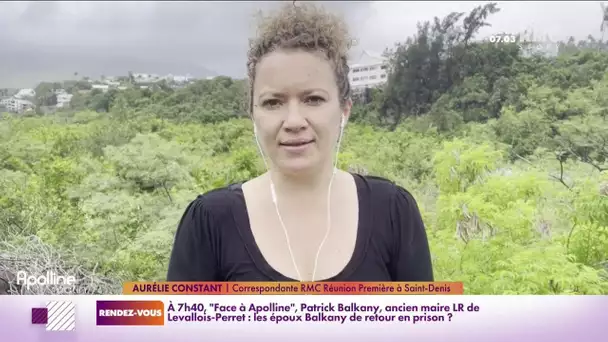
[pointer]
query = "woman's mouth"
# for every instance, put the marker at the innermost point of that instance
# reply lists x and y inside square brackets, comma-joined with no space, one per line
[296,142]
[296,145]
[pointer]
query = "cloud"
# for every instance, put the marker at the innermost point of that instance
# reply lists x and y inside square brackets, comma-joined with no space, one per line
[395,21]
[52,40]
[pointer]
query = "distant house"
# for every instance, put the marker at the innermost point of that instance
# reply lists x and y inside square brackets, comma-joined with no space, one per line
[112,83]
[544,48]
[146,78]
[178,78]
[102,87]
[16,105]
[532,44]
[183,79]
[369,70]
[63,98]
[24,93]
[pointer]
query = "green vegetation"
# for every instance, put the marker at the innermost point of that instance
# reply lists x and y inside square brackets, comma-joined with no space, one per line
[507,157]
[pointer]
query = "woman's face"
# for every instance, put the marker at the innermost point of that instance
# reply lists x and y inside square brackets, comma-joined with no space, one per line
[296,110]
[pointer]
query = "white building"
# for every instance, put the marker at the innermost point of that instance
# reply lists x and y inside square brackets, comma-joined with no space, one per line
[111,83]
[369,70]
[537,44]
[102,87]
[183,79]
[63,98]
[178,78]
[23,93]
[544,48]
[146,78]
[16,105]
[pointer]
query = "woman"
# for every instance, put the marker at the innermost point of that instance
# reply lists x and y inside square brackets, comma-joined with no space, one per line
[303,220]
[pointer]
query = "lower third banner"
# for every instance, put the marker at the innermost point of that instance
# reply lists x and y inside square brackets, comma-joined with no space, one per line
[302,318]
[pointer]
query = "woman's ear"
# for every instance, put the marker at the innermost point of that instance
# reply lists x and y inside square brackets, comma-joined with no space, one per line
[348,104]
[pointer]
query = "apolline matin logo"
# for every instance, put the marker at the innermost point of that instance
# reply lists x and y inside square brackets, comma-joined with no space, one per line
[59,283]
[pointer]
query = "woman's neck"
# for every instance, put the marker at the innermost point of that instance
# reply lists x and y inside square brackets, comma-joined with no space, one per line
[301,186]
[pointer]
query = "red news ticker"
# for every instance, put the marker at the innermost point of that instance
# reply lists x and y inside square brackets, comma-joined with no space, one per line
[293,288]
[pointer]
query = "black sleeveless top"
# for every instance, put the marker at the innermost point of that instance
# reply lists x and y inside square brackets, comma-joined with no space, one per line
[214,241]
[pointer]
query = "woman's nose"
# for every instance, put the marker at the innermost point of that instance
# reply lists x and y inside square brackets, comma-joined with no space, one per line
[294,120]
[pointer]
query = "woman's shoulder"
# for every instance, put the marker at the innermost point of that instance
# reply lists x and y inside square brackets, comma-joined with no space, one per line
[384,187]
[388,197]
[218,201]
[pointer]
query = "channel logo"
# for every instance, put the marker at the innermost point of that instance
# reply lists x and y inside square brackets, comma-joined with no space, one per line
[57,316]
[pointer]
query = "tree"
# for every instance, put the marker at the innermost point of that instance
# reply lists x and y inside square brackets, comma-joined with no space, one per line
[429,64]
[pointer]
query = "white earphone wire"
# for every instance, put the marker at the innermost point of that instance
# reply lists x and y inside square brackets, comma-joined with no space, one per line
[335,170]
[276,205]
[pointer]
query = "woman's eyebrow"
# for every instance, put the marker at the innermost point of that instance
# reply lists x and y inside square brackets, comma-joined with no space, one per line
[314,90]
[302,93]
[271,94]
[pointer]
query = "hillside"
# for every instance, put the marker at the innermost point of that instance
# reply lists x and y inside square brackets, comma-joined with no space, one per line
[507,157]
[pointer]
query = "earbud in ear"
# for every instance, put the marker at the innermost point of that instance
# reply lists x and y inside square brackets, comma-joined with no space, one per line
[342,122]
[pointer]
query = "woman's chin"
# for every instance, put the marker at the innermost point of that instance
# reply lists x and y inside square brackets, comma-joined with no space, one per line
[297,165]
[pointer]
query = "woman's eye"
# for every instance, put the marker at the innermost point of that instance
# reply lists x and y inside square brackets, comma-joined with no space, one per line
[271,103]
[315,100]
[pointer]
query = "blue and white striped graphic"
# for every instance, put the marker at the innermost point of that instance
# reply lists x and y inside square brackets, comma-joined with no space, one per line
[61,317]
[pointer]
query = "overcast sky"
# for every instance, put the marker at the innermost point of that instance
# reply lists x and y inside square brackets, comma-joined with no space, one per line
[52,40]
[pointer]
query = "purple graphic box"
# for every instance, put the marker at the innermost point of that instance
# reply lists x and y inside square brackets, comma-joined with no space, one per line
[40,315]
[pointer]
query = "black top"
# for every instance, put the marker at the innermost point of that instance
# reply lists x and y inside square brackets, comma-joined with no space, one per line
[214,241]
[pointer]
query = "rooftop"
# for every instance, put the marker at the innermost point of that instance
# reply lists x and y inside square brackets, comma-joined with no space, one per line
[366,58]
